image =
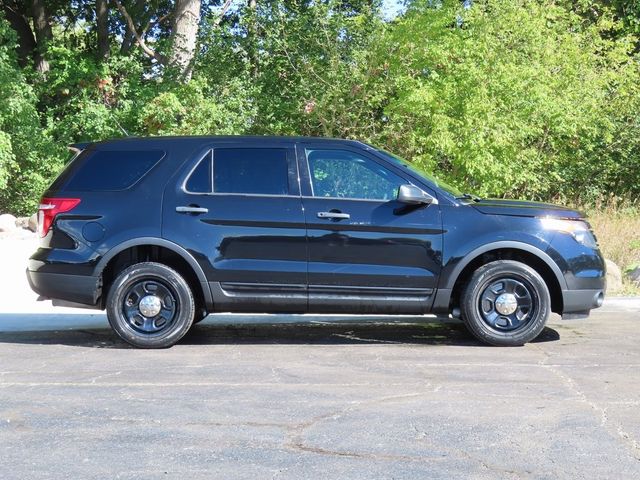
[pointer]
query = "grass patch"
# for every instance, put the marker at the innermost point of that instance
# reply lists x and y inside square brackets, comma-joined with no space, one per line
[616,223]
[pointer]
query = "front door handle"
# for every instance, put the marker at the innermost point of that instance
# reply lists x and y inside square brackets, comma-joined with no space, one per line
[192,209]
[334,215]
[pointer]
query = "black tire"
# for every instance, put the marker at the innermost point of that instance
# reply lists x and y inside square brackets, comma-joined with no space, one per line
[485,302]
[173,298]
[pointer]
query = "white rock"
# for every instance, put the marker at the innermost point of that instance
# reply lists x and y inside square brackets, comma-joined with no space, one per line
[7,223]
[33,222]
[22,222]
[614,277]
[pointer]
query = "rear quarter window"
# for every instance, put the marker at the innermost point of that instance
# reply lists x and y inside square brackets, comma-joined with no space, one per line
[107,170]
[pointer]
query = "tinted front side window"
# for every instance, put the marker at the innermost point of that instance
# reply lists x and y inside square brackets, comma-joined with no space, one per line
[345,174]
[250,170]
[111,170]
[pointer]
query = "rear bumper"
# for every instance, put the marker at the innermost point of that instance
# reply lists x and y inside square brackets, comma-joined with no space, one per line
[578,303]
[72,288]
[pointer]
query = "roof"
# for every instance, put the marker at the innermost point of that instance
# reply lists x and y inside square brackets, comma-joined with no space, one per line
[188,141]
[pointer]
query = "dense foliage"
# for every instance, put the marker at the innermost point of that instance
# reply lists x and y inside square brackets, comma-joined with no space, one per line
[529,98]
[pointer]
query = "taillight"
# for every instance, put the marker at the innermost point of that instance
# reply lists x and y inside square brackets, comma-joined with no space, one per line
[49,208]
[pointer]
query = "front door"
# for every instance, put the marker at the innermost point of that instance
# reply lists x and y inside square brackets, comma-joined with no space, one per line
[237,210]
[368,253]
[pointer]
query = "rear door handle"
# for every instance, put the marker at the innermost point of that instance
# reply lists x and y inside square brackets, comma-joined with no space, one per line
[334,215]
[192,209]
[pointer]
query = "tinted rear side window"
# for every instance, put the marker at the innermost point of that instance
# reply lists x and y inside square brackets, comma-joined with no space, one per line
[200,179]
[250,170]
[71,166]
[108,170]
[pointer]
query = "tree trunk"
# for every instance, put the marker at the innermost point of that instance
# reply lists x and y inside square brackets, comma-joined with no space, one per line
[102,17]
[184,37]
[127,41]
[43,35]
[26,40]
[129,38]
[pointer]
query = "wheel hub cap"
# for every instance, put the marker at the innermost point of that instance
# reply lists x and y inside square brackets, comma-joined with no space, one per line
[506,303]
[150,306]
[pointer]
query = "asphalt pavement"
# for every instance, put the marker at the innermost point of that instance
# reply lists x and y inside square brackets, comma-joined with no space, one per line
[305,397]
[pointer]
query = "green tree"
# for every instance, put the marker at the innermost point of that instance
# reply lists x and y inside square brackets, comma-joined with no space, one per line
[508,98]
[536,98]
[28,159]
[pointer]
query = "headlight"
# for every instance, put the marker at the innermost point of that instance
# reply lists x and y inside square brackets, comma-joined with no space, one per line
[578,229]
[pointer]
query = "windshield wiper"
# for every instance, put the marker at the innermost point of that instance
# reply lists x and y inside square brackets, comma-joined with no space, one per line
[469,196]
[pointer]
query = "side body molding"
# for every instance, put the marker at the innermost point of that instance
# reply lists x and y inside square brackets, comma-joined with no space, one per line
[160,242]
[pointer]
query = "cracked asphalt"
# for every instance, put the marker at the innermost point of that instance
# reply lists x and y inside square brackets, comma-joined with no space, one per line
[305,397]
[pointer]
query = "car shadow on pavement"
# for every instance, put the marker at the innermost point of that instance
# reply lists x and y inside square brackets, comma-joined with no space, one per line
[71,330]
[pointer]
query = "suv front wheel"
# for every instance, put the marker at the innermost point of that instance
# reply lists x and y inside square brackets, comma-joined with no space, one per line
[506,303]
[150,305]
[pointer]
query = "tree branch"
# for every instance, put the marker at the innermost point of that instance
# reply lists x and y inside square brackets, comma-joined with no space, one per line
[151,25]
[145,48]
[225,7]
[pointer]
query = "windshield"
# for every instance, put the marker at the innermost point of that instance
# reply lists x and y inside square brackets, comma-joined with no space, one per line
[415,169]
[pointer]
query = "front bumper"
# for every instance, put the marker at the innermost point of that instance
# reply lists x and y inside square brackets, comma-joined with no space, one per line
[81,289]
[584,272]
[578,303]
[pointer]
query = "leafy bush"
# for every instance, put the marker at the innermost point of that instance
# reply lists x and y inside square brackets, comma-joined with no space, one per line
[27,157]
[7,158]
[196,109]
[514,98]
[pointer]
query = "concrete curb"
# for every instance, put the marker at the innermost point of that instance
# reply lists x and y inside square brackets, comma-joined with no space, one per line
[622,303]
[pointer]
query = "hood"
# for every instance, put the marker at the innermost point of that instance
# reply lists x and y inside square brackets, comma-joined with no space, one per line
[523,208]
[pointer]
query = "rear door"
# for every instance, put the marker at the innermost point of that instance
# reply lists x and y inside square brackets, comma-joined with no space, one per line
[367,251]
[236,207]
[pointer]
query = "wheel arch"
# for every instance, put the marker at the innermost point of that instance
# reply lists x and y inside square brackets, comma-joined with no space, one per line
[173,254]
[507,250]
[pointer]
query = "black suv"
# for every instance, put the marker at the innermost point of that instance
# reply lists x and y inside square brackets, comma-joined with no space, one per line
[162,231]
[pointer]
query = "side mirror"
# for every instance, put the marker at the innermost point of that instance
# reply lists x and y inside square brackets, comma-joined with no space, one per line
[412,195]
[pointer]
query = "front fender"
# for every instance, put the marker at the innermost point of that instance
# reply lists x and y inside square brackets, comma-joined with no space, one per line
[448,280]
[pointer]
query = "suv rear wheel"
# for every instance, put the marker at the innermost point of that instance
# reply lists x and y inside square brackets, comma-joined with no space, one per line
[150,305]
[506,303]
